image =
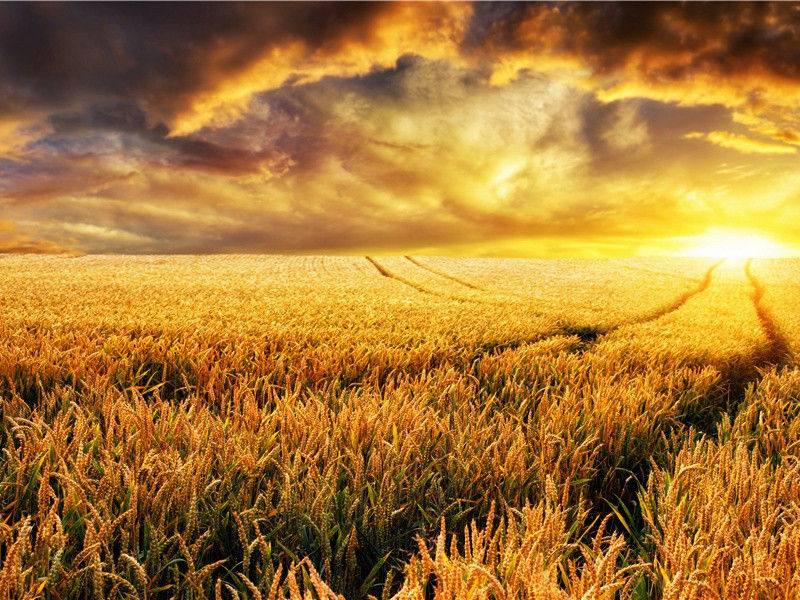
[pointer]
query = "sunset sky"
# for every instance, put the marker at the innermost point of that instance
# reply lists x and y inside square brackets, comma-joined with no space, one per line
[457,128]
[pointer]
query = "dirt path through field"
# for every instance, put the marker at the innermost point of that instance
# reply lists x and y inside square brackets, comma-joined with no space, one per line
[442,274]
[777,348]
[387,273]
[589,335]
[681,300]
[392,275]
[593,335]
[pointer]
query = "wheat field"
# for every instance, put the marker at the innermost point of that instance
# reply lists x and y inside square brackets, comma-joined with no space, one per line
[399,427]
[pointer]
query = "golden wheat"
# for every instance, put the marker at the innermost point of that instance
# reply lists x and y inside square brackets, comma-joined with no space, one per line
[267,427]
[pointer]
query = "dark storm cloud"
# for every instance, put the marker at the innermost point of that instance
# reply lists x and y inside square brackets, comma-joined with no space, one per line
[676,37]
[153,139]
[657,44]
[158,55]
[52,174]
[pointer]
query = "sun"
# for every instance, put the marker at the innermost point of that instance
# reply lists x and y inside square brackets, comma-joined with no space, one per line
[727,243]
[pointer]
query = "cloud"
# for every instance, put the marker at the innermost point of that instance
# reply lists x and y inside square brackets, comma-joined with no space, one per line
[195,65]
[743,55]
[328,127]
[742,143]
[422,154]
[652,43]
[46,174]
[14,242]
[191,66]
[428,29]
[129,124]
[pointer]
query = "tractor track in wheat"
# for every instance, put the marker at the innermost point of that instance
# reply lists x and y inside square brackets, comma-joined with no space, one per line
[776,350]
[681,300]
[387,273]
[425,267]
[392,275]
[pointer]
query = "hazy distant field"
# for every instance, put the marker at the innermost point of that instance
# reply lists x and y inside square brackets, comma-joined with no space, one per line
[194,427]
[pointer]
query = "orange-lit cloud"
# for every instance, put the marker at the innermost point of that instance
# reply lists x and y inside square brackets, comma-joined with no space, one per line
[14,242]
[450,127]
[432,30]
[740,55]
[742,143]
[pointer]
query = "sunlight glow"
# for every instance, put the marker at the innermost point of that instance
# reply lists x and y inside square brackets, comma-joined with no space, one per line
[726,243]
